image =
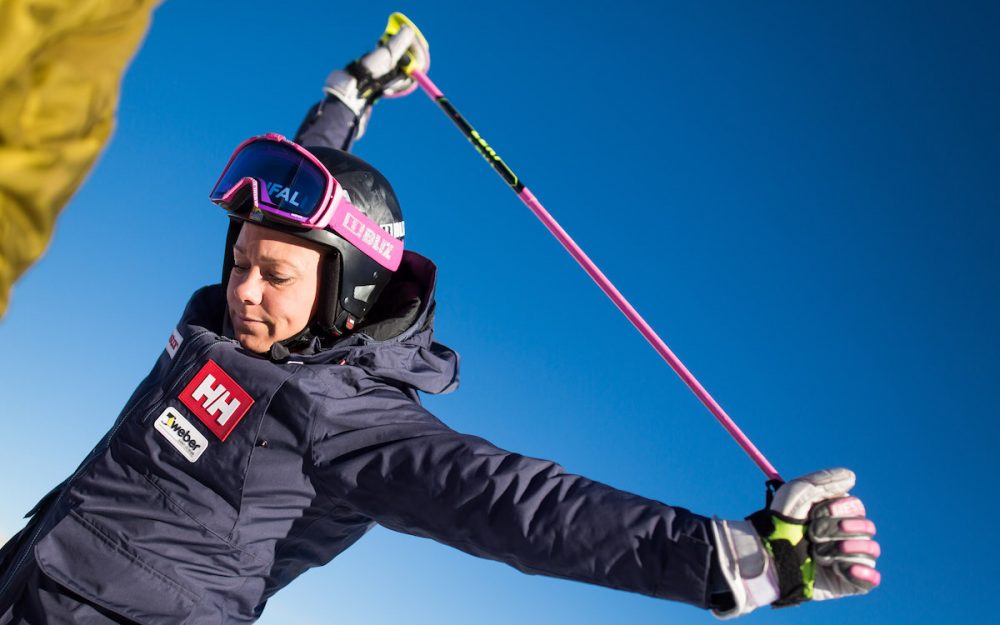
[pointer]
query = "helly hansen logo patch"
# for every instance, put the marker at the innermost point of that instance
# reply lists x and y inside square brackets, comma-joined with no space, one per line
[216,399]
[181,434]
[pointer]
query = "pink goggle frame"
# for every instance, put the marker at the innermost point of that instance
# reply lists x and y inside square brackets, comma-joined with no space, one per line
[331,207]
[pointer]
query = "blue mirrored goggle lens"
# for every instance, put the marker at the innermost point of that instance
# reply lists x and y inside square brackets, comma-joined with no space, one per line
[288,181]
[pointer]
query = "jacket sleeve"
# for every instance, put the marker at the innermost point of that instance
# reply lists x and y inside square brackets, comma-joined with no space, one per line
[329,123]
[394,462]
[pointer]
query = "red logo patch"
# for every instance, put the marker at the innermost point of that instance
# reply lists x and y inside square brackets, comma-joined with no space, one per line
[216,399]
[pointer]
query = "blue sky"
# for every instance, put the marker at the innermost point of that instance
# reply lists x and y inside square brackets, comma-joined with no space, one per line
[801,199]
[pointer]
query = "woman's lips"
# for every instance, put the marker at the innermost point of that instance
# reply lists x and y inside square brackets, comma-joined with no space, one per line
[248,320]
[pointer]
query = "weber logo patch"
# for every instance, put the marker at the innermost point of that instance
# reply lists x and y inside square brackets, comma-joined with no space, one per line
[216,399]
[181,434]
[174,342]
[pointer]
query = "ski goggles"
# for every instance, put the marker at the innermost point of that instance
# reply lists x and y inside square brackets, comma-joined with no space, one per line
[288,185]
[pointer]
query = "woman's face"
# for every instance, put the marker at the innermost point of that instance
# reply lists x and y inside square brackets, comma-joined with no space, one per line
[273,286]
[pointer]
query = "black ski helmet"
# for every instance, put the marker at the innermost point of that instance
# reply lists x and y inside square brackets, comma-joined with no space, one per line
[350,281]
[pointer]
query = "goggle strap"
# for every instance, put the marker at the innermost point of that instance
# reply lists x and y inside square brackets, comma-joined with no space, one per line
[363,233]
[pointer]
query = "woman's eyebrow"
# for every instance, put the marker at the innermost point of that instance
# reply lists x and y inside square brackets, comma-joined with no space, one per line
[275,260]
[264,258]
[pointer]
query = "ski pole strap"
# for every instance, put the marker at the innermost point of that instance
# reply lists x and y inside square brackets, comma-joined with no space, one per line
[772,486]
[593,271]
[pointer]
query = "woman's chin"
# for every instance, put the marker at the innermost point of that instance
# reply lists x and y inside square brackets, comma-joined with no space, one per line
[254,343]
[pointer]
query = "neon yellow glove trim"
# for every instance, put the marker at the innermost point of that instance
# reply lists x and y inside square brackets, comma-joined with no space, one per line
[794,533]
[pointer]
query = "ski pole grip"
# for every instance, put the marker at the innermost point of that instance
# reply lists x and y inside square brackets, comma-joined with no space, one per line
[417,56]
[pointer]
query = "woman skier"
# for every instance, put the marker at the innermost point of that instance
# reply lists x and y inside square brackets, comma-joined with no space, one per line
[282,421]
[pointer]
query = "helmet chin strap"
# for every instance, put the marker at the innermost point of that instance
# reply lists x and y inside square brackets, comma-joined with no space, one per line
[281,350]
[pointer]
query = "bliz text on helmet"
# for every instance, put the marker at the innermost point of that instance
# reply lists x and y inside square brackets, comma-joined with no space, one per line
[370,237]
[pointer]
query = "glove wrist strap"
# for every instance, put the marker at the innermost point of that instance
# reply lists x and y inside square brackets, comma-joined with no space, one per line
[371,88]
[791,560]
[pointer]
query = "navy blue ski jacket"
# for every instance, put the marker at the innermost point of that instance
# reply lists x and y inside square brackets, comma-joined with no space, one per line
[228,473]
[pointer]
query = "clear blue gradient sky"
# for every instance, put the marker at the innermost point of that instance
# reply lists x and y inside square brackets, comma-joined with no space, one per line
[802,199]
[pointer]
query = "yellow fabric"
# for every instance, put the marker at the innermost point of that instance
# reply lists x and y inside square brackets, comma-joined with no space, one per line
[61,63]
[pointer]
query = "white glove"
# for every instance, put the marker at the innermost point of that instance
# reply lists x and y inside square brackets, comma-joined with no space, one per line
[812,542]
[378,73]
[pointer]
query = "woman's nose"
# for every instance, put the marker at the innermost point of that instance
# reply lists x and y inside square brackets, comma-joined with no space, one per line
[248,286]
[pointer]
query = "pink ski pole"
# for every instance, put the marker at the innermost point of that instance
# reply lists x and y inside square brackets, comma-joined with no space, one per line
[592,270]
